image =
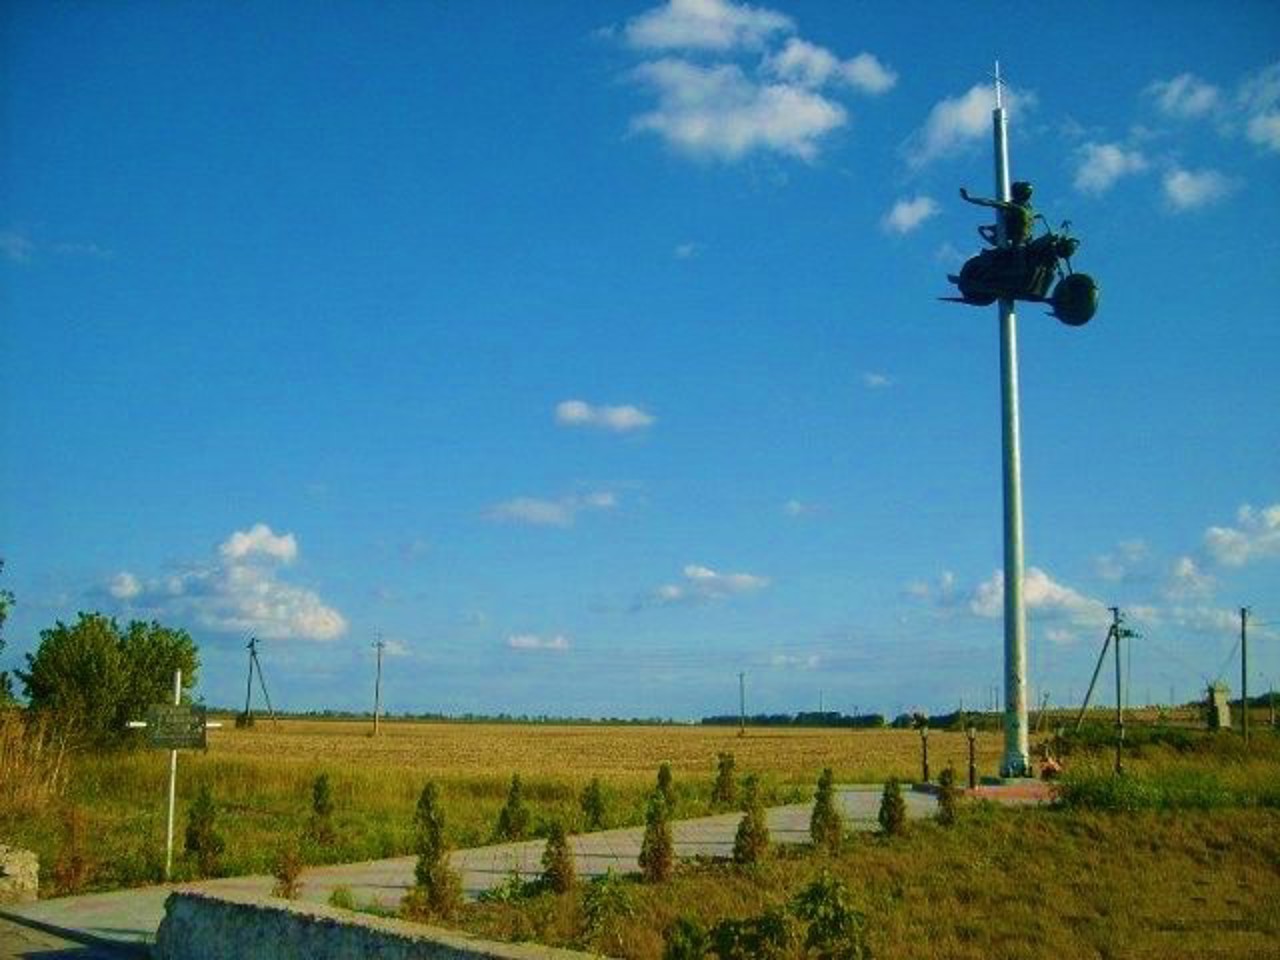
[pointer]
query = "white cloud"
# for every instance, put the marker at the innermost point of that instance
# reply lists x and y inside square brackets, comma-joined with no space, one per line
[796,661]
[16,246]
[718,112]
[1042,595]
[1185,97]
[125,586]
[1186,580]
[1259,97]
[687,251]
[907,215]
[1188,189]
[620,419]
[704,25]
[876,381]
[1264,129]
[551,513]
[809,65]
[943,593]
[395,648]
[258,540]
[240,592]
[796,508]
[1255,536]
[702,584]
[1100,165]
[1128,557]
[956,122]
[532,641]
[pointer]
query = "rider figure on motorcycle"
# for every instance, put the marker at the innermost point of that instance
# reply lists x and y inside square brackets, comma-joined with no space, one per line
[1017,216]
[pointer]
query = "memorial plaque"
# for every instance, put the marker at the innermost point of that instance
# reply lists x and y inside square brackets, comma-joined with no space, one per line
[176,727]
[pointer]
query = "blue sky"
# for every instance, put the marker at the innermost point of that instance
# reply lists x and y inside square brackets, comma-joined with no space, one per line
[592,353]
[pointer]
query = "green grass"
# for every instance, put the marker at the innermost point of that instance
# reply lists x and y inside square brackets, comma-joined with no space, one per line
[1002,883]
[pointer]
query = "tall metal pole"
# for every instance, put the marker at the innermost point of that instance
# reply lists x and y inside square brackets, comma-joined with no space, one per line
[1017,757]
[1117,633]
[1244,672]
[173,782]
[742,704]
[377,687]
[248,683]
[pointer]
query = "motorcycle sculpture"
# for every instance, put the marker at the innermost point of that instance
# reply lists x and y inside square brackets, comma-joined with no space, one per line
[1028,267]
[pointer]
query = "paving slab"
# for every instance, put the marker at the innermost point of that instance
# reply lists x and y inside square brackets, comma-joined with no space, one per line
[131,917]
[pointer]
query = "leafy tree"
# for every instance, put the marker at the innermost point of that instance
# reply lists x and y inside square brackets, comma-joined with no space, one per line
[92,679]
[513,818]
[657,849]
[826,826]
[725,791]
[751,843]
[203,842]
[592,804]
[557,860]
[893,809]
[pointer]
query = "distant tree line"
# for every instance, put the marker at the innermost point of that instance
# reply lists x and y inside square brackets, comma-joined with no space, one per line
[813,718]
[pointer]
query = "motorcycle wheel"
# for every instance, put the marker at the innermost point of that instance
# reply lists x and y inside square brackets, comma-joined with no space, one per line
[1075,299]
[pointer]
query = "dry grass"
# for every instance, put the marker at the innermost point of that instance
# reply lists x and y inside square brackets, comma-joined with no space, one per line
[33,763]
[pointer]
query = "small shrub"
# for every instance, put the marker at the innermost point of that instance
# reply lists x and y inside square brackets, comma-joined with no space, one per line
[513,818]
[439,897]
[511,889]
[826,826]
[666,785]
[428,833]
[557,860]
[437,890]
[606,900]
[948,797]
[74,866]
[342,898]
[836,929]
[203,842]
[657,849]
[686,939]
[770,936]
[725,791]
[320,827]
[592,804]
[751,843]
[893,809]
[287,868]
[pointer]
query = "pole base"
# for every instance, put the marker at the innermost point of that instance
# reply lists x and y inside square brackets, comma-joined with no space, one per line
[1016,767]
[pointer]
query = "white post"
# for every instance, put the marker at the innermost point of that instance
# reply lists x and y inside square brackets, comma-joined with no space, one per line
[1017,760]
[173,781]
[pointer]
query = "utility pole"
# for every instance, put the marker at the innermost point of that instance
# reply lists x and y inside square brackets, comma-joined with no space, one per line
[742,704]
[1017,755]
[248,683]
[820,702]
[377,685]
[1116,634]
[1244,672]
[1097,669]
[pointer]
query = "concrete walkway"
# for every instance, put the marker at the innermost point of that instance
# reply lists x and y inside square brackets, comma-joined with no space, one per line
[129,918]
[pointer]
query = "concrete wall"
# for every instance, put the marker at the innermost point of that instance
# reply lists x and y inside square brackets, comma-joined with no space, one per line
[202,926]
